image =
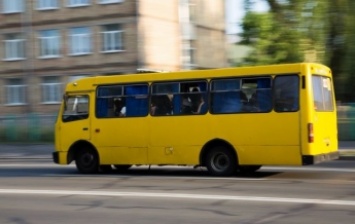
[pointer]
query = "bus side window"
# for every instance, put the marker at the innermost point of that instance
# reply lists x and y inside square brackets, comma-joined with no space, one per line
[286,93]
[226,96]
[161,105]
[136,100]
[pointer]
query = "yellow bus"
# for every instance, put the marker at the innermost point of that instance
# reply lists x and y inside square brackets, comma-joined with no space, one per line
[228,120]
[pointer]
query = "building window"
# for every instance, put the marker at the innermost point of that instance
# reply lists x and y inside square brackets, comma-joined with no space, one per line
[49,41]
[189,56]
[47,4]
[109,1]
[12,6]
[77,3]
[112,36]
[51,87]
[14,45]
[15,92]
[80,41]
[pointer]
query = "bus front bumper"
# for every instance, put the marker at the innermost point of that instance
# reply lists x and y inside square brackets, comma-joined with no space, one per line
[59,157]
[314,159]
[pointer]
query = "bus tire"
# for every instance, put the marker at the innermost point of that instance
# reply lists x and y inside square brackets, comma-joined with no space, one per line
[87,161]
[221,161]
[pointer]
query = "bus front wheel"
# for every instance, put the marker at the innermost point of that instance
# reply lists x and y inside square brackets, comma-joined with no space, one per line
[221,161]
[87,161]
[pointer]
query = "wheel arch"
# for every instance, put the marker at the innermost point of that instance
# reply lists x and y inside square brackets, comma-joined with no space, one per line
[214,143]
[78,145]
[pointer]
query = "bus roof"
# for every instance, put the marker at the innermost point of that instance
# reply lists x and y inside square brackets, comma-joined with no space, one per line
[90,83]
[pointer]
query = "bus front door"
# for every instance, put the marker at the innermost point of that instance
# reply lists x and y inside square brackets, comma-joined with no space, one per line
[75,122]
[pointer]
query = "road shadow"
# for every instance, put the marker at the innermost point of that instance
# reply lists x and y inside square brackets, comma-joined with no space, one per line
[71,171]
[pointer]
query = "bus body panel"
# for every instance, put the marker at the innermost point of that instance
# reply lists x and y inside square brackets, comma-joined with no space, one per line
[121,140]
[270,155]
[325,140]
[324,123]
[261,137]
[177,139]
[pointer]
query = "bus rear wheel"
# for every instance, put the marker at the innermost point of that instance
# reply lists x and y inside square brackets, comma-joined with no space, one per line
[87,161]
[221,161]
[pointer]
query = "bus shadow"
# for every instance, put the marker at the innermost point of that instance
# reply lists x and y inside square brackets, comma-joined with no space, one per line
[15,172]
[186,173]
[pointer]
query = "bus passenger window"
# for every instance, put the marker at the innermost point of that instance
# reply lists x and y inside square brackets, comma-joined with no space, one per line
[161,105]
[286,93]
[226,96]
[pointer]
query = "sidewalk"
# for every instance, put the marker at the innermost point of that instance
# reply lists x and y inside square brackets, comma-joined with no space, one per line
[23,150]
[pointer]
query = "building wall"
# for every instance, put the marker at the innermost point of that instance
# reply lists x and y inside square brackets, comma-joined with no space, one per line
[210,33]
[159,34]
[152,38]
[33,68]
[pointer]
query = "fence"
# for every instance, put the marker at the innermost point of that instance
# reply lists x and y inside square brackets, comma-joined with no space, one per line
[346,122]
[27,128]
[40,127]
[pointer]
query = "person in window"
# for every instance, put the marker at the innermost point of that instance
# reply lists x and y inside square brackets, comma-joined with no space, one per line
[120,108]
[186,105]
[198,104]
[161,105]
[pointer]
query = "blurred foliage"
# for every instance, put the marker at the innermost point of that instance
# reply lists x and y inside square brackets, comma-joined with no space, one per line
[304,30]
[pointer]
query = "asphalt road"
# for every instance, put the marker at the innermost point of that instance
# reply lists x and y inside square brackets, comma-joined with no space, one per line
[32,192]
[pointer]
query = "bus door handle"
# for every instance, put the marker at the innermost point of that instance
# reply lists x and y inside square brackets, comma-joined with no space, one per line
[85,129]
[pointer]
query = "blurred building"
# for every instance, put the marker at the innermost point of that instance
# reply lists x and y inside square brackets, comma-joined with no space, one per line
[46,43]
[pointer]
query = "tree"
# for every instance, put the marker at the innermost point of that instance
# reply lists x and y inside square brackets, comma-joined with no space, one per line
[271,37]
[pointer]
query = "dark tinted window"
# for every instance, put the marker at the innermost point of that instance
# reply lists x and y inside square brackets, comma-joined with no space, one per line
[286,93]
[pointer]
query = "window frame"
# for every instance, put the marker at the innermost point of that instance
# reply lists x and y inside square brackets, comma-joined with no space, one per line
[243,106]
[74,5]
[180,93]
[54,90]
[324,103]
[19,4]
[15,91]
[54,5]
[77,49]
[122,95]
[46,40]
[120,36]
[104,2]
[276,99]
[20,47]
[75,116]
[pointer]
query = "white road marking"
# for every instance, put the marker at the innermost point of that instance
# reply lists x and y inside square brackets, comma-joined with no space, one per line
[180,196]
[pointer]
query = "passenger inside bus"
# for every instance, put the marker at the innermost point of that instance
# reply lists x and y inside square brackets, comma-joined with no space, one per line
[186,105]
[161,105]
[198,104]
[120,108]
